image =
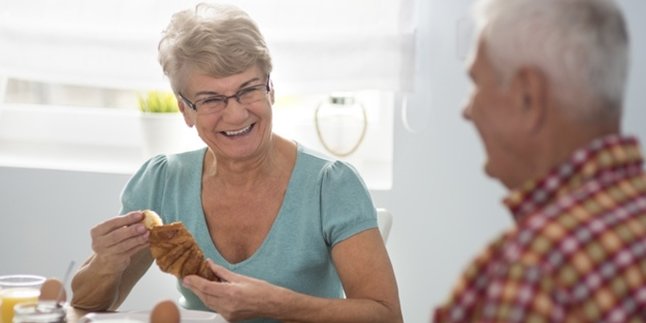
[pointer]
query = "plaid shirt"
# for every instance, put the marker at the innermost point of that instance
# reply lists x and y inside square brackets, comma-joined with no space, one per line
[578,251]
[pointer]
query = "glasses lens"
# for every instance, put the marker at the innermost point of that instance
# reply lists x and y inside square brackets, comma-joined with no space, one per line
[211,105]
[252,95]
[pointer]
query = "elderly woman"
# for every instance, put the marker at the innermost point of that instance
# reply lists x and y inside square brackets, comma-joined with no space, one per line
[288,231]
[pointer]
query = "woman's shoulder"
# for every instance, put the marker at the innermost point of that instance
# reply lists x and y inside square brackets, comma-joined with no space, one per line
[159,165]
[328,166]
[186,159]
[312,157]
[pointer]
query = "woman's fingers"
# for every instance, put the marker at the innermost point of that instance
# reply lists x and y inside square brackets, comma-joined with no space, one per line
[221,272]
[120,240]
[127,237]
[117,230]
[117,222]
[116,240]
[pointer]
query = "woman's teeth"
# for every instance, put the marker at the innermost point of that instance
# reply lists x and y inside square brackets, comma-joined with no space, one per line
[240,132]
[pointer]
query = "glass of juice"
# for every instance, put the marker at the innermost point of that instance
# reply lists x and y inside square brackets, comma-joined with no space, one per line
[17,289]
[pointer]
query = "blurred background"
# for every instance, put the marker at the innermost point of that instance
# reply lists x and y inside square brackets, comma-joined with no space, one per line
[383,81]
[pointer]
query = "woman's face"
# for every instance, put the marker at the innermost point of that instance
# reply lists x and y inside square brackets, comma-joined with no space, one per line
[231,129]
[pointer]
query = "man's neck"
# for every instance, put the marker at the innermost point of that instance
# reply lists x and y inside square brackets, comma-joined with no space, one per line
[567,136]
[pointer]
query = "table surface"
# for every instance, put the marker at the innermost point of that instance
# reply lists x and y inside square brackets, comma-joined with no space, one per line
[75,315]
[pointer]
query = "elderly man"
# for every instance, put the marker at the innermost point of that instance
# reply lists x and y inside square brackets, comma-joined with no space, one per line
[548,81]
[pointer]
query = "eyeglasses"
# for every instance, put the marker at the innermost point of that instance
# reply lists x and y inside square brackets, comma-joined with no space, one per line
[217,103]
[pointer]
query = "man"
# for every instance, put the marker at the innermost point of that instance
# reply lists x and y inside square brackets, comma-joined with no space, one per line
[548,80]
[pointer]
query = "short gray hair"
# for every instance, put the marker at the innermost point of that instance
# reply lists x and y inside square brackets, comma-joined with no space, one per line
[220,40]
[580,45]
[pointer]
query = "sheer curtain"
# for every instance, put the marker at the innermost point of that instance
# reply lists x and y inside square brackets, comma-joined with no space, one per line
[316,45]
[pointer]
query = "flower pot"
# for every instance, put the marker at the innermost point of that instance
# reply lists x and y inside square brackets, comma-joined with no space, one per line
[165,133]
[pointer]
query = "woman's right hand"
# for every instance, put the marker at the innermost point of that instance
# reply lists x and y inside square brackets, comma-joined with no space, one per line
[118,262]
[116,240]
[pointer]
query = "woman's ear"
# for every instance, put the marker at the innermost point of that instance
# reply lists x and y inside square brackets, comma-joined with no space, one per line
[272,93]
[531,90]
[185,110]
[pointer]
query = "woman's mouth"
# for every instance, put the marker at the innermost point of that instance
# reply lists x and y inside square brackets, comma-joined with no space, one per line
[239,132]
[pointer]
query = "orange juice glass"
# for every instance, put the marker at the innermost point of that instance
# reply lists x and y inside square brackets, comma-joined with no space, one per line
[17,289]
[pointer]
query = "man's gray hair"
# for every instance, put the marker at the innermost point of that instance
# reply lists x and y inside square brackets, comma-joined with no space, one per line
[580,45]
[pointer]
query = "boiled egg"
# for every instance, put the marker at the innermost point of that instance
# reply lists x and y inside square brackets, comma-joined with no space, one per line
[52,290]
[165,312]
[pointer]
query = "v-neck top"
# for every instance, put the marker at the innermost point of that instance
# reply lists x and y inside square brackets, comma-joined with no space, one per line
[326,202]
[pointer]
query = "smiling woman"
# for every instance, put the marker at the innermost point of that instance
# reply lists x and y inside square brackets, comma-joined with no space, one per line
[249,193]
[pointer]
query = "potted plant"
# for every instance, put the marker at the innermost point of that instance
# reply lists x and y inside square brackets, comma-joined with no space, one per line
[158,102]
[163,127]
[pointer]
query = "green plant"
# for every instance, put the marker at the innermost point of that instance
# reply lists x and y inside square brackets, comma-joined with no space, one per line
[158,102]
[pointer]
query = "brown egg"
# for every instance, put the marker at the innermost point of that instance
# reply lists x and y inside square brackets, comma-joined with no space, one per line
[51,291]
[165,312]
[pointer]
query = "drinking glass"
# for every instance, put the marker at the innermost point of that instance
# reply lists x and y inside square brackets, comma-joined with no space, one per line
[17,289]
[42,312]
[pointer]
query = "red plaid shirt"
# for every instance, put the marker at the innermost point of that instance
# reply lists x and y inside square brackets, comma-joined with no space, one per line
[577,253]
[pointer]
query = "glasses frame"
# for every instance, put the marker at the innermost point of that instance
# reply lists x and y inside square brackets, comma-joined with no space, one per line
[193,105]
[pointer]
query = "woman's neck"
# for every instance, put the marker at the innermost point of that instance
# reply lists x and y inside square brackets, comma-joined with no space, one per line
[249,172]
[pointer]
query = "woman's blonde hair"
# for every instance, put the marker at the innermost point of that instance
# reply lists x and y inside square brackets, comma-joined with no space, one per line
[219,40]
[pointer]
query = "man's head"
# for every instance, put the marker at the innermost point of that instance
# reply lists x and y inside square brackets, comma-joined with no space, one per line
[547,75]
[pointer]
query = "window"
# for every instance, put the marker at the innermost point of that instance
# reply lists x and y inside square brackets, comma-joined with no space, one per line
[72,70]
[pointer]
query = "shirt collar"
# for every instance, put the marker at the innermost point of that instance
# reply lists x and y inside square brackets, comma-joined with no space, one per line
[606,154]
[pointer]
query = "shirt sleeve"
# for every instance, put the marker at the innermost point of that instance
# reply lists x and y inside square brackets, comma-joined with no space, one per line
[346,205]
[145,188]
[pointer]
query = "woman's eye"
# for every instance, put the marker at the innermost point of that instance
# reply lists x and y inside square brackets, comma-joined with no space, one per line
[213,100]
[245,92]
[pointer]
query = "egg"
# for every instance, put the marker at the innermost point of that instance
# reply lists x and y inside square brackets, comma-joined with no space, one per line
[151,219]
[165,312]
[52,290]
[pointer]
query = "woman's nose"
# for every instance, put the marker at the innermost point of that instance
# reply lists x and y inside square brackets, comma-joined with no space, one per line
[235,111]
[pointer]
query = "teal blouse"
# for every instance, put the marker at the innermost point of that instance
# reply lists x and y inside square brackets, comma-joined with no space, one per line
[325,203]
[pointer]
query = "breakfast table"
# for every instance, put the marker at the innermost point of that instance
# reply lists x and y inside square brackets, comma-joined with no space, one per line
[75,315]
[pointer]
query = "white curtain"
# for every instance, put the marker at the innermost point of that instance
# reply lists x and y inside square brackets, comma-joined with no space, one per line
[317,46]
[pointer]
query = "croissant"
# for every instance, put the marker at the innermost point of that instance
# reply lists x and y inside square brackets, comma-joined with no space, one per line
[176,252]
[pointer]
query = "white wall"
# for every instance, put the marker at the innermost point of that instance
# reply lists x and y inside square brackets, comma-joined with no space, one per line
[445,209]
[45,221]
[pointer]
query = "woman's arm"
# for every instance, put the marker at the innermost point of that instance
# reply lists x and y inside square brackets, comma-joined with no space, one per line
[121,256]
[368,279]
[363,266]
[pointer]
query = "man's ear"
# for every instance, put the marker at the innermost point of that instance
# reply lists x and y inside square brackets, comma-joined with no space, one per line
[531,97]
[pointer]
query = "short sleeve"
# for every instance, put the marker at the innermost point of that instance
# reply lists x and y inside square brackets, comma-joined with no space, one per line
[145,188]
[346,205]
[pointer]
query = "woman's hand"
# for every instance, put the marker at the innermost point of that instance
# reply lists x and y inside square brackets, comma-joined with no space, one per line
[119,260]
[237,297]
[116,240]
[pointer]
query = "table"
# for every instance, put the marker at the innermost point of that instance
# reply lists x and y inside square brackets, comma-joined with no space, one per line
[75,315]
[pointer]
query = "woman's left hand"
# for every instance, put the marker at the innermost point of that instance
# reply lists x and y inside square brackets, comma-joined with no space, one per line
[236,297]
